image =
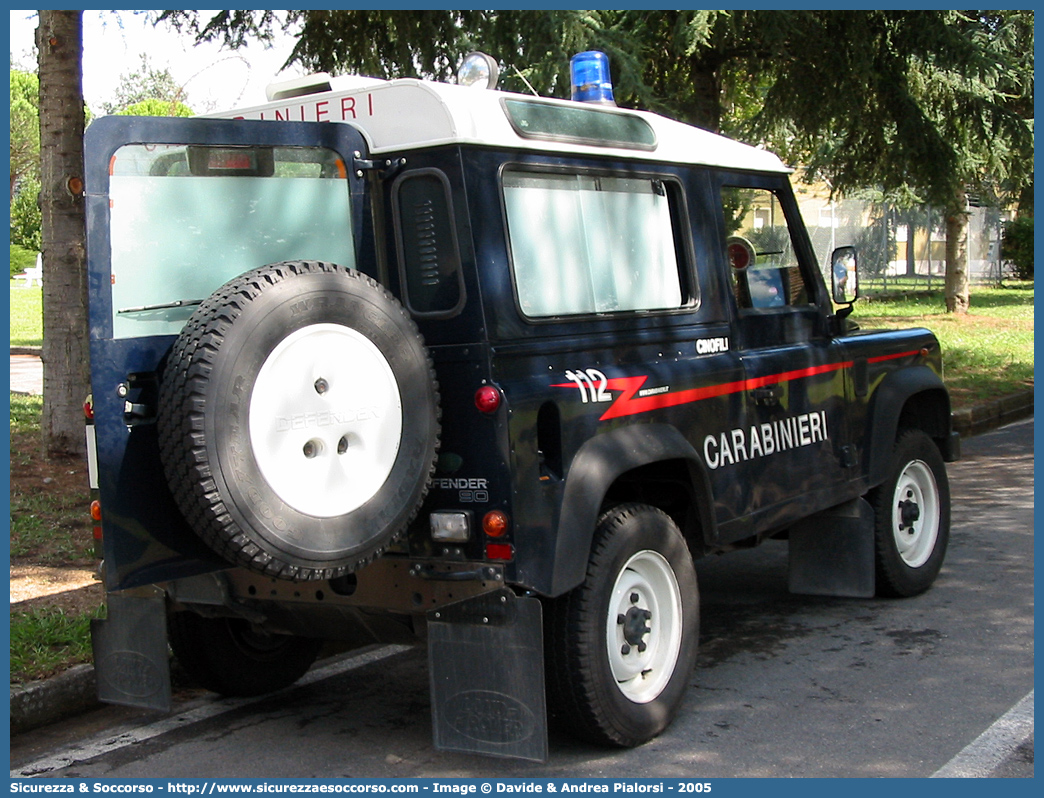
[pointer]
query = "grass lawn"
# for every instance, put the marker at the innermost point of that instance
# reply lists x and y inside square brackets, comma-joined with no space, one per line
[987,353]
[26,314]
[47,641]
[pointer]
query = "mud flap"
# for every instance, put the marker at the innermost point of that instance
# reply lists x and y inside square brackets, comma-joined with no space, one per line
[486,664]
[130,651]
[832,552]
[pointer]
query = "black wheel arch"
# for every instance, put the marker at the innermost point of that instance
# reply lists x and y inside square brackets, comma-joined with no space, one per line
[601,470]
[913,398]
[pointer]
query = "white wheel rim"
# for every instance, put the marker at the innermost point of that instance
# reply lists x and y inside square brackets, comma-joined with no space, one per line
[325,420]
[643,627]
[915,513]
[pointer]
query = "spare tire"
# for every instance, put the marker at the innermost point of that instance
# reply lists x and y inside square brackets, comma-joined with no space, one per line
[298,420]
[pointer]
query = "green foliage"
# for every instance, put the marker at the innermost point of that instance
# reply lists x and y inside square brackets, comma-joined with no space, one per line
[876,244]
[21,259]
[922,100]
[931,100]
[144,84]
[156,107]
[25,127]
[1017,246]
[25,215]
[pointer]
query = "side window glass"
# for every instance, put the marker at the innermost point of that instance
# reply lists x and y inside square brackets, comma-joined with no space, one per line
[763,266]
[583,244]
[427,242]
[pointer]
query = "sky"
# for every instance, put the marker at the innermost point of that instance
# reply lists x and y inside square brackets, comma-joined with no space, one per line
[214,79]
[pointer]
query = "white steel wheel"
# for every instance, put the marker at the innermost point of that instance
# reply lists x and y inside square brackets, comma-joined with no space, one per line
[298,420]
[621,646]
[915,513]
[643,626]
[911,517]
[325,420]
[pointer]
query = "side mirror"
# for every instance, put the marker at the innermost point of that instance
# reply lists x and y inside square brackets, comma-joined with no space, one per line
[844,277]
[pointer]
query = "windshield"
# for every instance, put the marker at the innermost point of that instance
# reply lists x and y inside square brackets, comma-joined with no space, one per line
[186,219]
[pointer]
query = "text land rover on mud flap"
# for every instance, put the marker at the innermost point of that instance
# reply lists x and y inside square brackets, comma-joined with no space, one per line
[484,370]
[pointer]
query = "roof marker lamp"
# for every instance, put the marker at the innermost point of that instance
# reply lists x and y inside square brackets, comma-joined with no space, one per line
[478,71]
[589,73]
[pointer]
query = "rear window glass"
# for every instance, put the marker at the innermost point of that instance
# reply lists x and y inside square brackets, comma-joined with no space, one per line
[584,244]
[186,219]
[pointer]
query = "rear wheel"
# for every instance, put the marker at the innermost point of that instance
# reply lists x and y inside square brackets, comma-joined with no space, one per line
[622,645]
[233,657]
[912,517]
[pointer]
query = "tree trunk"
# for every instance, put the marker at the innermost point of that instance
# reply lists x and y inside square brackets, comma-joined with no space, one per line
[911,236]
[705,109]
[59,41]
[957,217]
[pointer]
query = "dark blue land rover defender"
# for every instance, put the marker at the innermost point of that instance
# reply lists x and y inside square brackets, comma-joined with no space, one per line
[406,360]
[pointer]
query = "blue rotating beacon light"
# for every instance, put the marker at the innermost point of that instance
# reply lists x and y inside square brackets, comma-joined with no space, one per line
[589,73]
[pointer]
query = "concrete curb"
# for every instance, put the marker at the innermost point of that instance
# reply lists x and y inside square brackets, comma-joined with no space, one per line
[70,693]
[990,415]
[49,700]
[27,350]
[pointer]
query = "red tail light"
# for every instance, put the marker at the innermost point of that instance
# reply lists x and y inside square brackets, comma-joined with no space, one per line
[487,399]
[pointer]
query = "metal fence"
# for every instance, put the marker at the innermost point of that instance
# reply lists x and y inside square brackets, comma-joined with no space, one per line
[900,249]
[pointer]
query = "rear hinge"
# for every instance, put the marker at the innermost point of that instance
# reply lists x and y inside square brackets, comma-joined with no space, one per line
[382,168]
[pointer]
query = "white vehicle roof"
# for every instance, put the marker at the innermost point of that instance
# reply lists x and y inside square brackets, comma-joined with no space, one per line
[407,114]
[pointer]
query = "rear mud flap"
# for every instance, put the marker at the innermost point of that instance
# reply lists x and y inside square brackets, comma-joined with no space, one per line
[486,664]
[832,552]
[130,651]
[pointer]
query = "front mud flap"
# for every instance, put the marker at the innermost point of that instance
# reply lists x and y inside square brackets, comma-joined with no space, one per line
[832,552]
[486,664]
[131,659]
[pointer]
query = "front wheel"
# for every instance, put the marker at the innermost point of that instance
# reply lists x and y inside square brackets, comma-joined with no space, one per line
[622,645]
[911,517]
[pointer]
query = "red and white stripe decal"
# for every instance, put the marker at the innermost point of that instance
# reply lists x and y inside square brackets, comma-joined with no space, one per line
[628,403]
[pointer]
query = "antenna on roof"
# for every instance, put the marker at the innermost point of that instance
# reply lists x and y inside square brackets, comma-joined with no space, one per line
[528,84]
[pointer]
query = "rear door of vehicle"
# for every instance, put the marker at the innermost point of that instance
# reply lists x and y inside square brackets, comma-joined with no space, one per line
[176,208]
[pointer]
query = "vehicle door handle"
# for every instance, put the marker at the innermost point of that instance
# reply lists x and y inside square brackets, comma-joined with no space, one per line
[768,394]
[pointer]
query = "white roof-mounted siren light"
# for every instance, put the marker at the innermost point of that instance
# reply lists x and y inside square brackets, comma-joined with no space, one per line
[589,74]
[479,71]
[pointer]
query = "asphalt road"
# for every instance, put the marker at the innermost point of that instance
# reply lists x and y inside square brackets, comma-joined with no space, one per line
[786,685]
